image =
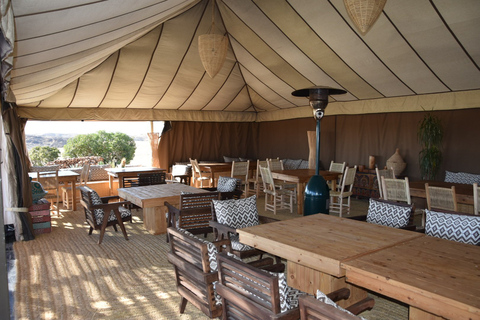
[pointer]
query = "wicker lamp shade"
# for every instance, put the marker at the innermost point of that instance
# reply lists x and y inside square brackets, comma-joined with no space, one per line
[364,13]
[213,51]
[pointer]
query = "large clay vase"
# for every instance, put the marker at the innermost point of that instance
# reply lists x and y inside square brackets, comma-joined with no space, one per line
[396,162]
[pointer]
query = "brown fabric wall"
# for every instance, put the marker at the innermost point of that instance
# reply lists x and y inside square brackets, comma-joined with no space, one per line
[349,138]
[208,141]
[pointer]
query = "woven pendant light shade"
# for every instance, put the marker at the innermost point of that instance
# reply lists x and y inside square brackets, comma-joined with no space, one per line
[364,13]
[213,51]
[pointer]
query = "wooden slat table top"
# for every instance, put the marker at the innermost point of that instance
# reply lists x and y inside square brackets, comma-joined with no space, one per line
[155,195]
[322,242]
[435,275]
[302,175]
[464,191]
[131,170]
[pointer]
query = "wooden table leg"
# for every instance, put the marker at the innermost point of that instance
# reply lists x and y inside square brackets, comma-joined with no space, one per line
[154,219]
[73,183]
[309,280]
[300,199]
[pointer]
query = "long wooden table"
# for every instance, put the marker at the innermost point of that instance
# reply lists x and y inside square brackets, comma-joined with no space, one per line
[437,278]
[464,191]
[301,178]
[315,247]
[127,172]
[151,199]
[67,177]
[221,167]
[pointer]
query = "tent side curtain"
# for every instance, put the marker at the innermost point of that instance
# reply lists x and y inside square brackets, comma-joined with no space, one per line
[208,141]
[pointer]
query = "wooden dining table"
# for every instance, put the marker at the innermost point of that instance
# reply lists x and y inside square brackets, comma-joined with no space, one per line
[127,172]
[315,247]
[151,199]
[464,191]
[67,177]
[437,278]
[215,168]
[301,178]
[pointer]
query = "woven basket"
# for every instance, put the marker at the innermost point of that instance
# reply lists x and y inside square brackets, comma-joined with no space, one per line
[396,163]
[364,13]
[213,51]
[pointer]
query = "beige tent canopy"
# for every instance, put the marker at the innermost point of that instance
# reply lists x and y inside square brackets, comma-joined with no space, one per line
[138,60]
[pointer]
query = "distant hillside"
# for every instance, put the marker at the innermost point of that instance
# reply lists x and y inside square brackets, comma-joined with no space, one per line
[58,140]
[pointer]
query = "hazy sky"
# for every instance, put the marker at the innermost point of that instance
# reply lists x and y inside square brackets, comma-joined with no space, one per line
[79,127]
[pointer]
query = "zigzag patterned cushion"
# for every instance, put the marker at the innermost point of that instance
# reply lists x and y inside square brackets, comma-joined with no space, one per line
[237,245]
[226,184]
[455,227]
[212,250]
[462,177]
[100,213]
[323,298]
[387,214]
[237,214]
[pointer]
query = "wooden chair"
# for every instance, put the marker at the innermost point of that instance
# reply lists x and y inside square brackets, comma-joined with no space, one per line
[337,204]
[50,183]
[395,189]
[275,195]
[277,165]
[195,264]
[386,173]
[199,176]
[254,184]
[84,176]
[250,293]
[325,308]
[96,208]
[194,212]
[441,198]
[476,199]
[336,167]
[228,215]
[147,179]
[240,170]
[390,214]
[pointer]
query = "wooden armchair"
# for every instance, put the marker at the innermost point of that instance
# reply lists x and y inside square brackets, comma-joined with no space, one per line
[195,264]
[194,212]
[229,188]
[250,293]
[325,308]
[228,215]
[96,207]
[390,214]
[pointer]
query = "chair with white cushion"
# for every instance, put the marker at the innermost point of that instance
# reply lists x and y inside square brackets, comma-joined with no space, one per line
[338,198]
[101,213]
[250,293]
[454,226]
[325,308]
[390,214]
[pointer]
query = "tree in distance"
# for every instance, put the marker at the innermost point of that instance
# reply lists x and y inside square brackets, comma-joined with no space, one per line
[41,155]
[112,147]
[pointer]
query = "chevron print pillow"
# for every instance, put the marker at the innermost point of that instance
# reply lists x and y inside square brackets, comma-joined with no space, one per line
[226,184]
[455,227]
[325,299]
[388,214]
[237,214]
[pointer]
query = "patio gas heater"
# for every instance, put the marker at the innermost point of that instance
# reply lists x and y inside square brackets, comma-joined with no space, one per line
[317,194]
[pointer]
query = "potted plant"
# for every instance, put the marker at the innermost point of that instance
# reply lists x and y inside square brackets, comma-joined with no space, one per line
[430,135]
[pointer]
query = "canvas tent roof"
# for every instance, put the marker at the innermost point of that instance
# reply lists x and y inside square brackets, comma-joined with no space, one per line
[138,60]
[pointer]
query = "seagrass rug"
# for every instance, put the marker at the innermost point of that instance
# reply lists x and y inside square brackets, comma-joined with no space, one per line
[65,274]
